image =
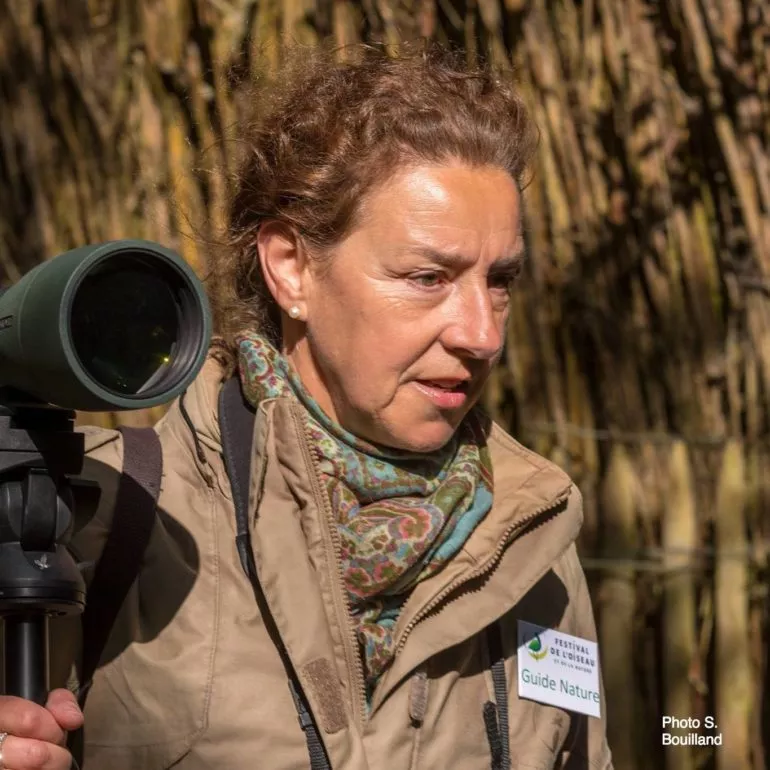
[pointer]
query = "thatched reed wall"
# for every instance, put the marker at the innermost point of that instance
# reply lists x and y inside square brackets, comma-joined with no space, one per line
[639,352]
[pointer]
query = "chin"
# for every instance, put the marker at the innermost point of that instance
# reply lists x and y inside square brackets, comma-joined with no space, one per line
[429,438]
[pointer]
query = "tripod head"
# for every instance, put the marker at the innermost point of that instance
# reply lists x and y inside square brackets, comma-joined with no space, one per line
[38,576]
[123,325]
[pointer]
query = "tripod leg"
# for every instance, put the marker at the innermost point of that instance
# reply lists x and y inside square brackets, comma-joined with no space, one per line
[27,669]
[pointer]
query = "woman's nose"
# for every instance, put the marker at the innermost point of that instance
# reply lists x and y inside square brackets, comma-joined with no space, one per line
[476,326]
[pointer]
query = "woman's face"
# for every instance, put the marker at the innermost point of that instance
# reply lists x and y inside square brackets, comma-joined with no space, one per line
[399,331]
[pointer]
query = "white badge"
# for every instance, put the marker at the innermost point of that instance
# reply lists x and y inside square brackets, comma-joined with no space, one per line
[558,669]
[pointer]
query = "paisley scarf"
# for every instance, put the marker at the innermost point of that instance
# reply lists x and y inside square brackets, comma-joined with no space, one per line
[400,515]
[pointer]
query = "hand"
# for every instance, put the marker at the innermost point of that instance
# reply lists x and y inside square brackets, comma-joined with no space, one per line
[36,735]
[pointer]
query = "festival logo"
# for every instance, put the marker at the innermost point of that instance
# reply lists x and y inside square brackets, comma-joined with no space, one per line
[537,649]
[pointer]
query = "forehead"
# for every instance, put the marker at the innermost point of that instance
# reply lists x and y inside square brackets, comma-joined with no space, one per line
[446,201]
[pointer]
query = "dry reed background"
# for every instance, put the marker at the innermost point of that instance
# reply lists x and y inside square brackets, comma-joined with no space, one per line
[639,352]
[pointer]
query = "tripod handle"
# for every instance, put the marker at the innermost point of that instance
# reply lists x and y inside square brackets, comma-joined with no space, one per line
[27,663]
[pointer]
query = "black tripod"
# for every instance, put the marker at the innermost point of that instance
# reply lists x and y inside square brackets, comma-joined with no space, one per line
[38,576]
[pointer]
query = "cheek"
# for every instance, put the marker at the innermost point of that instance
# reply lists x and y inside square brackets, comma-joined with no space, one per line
[368,342]
[373,339]
[375,369]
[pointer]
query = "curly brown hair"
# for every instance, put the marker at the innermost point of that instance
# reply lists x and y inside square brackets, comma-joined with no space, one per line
[328,130]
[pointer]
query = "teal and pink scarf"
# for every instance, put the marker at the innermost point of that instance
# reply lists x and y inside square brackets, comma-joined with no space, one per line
[401,516]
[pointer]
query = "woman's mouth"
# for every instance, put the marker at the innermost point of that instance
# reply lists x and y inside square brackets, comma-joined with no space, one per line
[446,394]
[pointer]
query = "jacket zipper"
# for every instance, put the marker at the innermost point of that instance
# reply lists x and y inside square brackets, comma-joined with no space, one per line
[354,663]
[488,566]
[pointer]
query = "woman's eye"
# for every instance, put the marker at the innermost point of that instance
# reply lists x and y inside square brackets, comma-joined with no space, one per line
[504,280]
[427,280]
[432,280]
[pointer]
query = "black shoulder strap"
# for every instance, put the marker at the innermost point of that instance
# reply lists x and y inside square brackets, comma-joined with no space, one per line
[118,566]
[236,422]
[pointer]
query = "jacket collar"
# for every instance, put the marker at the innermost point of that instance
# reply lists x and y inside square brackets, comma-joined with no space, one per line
[523,481]
[522,478]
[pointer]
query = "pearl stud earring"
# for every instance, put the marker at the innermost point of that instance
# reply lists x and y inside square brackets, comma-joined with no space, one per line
[294,311]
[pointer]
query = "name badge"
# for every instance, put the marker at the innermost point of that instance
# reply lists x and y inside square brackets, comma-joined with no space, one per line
[558,669]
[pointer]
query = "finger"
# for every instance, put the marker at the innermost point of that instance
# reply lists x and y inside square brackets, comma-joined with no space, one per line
[26,719]
[29,754]
[64,707]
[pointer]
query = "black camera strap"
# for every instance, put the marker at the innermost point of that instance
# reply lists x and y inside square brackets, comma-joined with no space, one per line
[236,422]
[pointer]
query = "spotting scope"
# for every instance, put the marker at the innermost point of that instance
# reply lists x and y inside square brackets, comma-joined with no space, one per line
[120,325]
[108,327]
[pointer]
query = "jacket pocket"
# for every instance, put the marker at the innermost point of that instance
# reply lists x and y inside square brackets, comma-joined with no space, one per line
[139,715]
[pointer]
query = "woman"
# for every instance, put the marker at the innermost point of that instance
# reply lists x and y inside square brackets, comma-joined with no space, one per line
[398,537]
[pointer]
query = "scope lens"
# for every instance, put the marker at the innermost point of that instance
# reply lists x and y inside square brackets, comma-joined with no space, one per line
[126,324]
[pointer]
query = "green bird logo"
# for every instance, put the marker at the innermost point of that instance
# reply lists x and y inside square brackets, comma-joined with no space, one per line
[536,648]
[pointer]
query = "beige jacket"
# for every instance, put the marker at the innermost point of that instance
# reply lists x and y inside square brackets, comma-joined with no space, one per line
[191,679]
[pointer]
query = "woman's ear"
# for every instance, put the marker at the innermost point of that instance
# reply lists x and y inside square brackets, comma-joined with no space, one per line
[284,264]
